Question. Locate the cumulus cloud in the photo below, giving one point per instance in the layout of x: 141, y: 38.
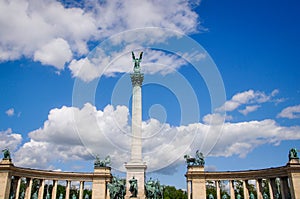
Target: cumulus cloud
x: 291, y: 112
x: 72, y: 133
x: 10, y: 112
x: 9, y: 140
x: 249, y: 109
x: 247, y: 97
x: 51, y: 32
x: 56, y: 53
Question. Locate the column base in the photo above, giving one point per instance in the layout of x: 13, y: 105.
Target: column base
x: 136, y: 170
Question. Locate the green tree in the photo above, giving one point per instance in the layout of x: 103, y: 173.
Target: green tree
x: 170, y: 192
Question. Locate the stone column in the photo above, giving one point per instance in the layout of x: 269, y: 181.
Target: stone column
x: 81, y: 189
x: 189, y: 189
x: 68, y: 185
x: 136, y: 167
x: 41, y: 189
x: 272, y: 188
x: 245, y: 186
x: 28, y: 188
x: 54, y: 189
x: 18, y: 188
x: 231, y: 187
x: 218, y: 189
x: 259, y: 188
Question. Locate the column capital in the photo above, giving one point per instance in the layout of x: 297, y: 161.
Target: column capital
x: 137, y: 78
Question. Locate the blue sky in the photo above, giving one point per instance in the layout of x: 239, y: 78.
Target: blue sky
x: 66, y: 91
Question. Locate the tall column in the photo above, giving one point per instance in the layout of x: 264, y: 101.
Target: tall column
x: 246, y: 192
x: 28, y: 188
x: 231, y: 187
x: 218, y: 189
x: 54, y: 189
x: 81, y: 189
x: 68, y: 185
x: 41, y: 189
x: 136, y: 142
x: 136, y: 168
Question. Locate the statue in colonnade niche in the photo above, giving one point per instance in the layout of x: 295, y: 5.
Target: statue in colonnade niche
x: 293, y: 154
x: 265, y: 196
x: 102, y: 163
x: 197, y: 161
x: 35, y: 195
x: 251, y: 196
x: 224, y: 196
x: 60, y: 196
x: 210, y: 196
x: 238, y: 196
x: 86, y: 196
x: 73, y: 196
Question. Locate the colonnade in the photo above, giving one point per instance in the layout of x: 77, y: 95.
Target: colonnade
x: 15, y: 189
x: 11, y: 178
x: 281, y: 182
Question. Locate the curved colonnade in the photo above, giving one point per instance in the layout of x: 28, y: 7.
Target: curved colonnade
x: 11, y: 177
x: 282, y: 182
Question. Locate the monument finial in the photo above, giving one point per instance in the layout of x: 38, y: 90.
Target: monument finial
x: 137, y: 61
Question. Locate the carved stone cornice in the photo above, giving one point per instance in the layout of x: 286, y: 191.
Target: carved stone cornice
x: 137, y: 79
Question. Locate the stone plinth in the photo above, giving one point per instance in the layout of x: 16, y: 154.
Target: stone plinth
x: 101, y: 177
x: 5, y: 177
x: 136, y: 170
x: 197, y: 189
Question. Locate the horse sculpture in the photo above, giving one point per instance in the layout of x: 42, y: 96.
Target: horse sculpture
x: 102, y: 163
x: 117, y: 188
x: 197, y: 161
x: 153, y: 189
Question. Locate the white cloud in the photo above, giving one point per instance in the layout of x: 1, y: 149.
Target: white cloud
x: 9, y: 140
x: 291, y: 112
x: 72, y: 134
x: 36, y: 29
x: 247, y: 97
x: 10, y: 112
x: 56, y: 53
x: 154, y: 61
x: 249, y: 109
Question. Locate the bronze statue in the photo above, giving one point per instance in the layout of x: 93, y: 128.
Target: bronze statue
x: 197, y: 161
x: 117, y: 188
x: 6, y: 154
x: 137, y: 61
x: 153, y: 189
x: 133, y: 187
x: 293, y: 154
x: 102, y: 163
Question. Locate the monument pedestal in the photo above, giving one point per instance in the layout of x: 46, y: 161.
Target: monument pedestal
x: 136, y: 170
